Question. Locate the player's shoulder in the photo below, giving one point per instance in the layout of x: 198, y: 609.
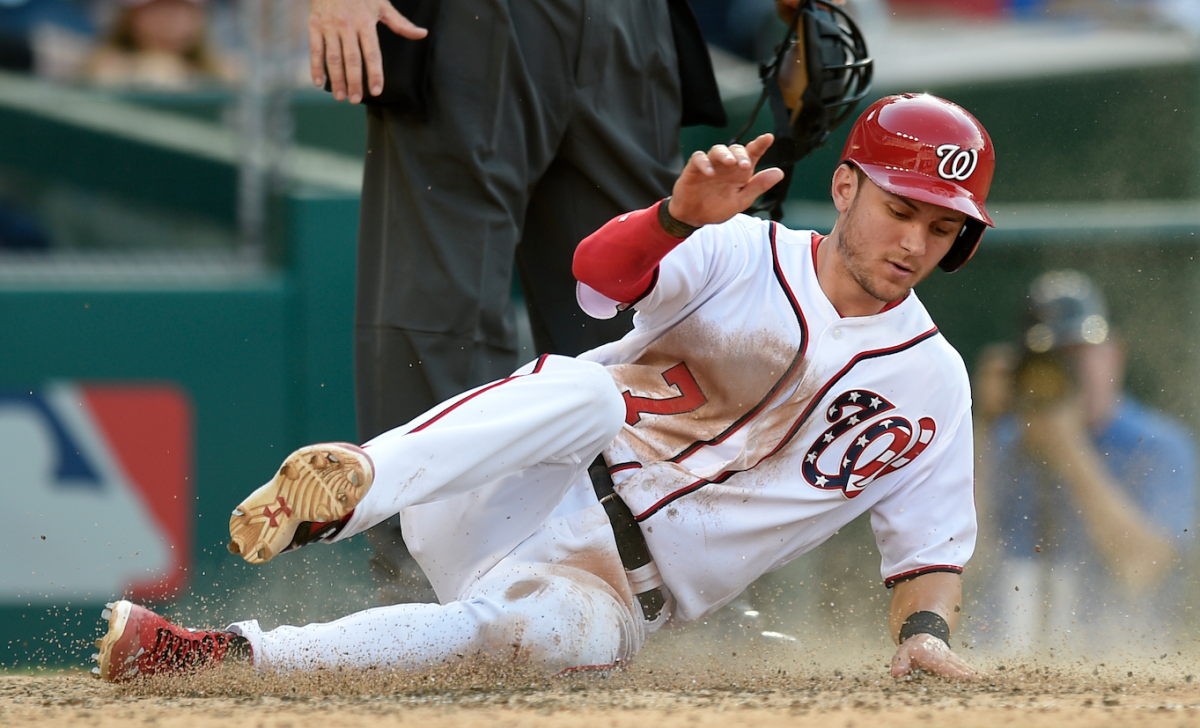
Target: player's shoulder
x: 743, y: 241
x: 787, y: 236
x: 944, y: 361
x: 944, y: 355
x: 766, y: 240
x: 757, y: 228
x: 739, y: 227
x: 950, y: 362
x: 932, y: 352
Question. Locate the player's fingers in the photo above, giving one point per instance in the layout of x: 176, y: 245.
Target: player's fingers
x: 951, y: 666
x: 352, y: 60
x: 741, y: 156
x: 368, y: 41
x: 720, y: 154
x: 928, y: 653
x: 702, y: 163
x: 316, y: 54
x: 401, y: 25
x: 759, y: 146
x: 901, y: 664
x: 761, y: 182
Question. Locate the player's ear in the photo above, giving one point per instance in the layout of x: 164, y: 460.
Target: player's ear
x: 844, y: 186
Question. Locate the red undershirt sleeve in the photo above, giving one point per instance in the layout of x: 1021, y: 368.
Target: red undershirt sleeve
x: 620, y: 260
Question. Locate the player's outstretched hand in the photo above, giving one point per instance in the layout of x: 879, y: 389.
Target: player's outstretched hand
x: 342, y: 35
x: 929, y: 654
x: 718, y: 184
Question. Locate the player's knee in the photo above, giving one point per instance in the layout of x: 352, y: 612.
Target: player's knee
x: 603, y: 398
x: 589, y: 628
x: 555, y: 623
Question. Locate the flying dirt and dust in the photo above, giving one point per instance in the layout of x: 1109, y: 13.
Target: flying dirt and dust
x: 677, y: 682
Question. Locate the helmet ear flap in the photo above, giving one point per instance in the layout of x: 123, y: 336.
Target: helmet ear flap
x: 964, y: 246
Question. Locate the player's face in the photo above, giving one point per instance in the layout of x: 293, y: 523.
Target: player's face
x: 887, y: 243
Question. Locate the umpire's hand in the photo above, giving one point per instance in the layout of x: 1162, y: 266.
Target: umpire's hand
x: 342, y: 36
x: 929, y: 654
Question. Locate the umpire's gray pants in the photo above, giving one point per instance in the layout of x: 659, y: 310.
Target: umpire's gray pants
x: 547, y: 118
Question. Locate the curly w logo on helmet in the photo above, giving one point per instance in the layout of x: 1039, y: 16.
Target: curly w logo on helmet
x: 957, y: 163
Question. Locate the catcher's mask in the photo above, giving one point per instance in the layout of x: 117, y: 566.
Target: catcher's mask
x: 925, y: 148
x: 819, y: 73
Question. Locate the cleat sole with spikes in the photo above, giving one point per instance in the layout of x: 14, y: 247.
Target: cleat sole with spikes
x: 317, y: 483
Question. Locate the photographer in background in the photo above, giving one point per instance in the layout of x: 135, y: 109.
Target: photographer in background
x: 1087, y: 496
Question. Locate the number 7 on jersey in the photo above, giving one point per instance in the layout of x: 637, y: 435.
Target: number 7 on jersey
x: 678, y: 377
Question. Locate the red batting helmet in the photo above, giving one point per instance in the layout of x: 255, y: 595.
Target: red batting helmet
x: 928, y: 149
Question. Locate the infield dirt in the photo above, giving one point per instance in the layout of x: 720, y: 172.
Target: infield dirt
x: 667, y: 687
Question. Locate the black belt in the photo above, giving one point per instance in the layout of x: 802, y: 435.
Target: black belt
x: 631, y: 544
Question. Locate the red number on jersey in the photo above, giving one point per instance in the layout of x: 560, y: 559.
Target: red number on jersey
x: 690, y: 397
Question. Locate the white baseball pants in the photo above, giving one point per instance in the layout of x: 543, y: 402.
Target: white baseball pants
x: 498, y: 509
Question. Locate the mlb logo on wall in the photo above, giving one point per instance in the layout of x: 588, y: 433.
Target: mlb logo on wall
x: 96, y: 493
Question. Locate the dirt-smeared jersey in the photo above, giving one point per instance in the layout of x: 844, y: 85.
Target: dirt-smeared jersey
x: 759, y: 421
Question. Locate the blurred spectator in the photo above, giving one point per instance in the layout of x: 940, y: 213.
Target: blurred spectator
x: 30, y: 31
x: 752, y: 29
x: 1180, y: 13
x: 984, y: 8
x: 158, y: 44
x: 746, y: 28
x: 1087, y: 497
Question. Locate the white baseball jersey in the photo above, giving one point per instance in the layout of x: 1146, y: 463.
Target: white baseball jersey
x: 759, y: 421
x: 749, y: 423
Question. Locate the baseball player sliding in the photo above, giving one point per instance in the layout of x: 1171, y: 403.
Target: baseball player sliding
x: 777, y: 384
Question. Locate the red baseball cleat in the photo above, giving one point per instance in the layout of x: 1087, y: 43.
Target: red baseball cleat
x: 311, y: 498
x: 141, y: 643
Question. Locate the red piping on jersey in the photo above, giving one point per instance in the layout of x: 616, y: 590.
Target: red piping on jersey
x: 541, y: 361
x: 943, y: 568
x: 816, y: 243
x: 762, y: 403
x: 816, y: 399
